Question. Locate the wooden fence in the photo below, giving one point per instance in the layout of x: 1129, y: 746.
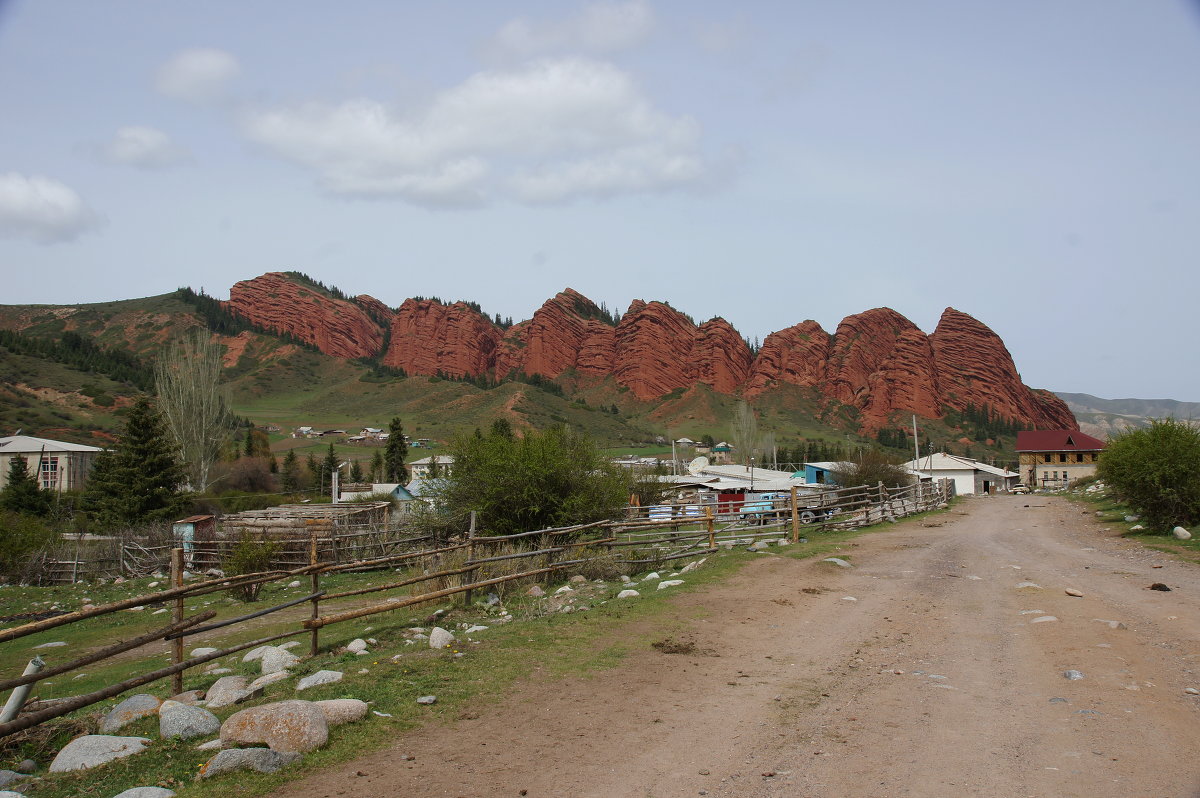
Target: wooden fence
x: 460, y: 568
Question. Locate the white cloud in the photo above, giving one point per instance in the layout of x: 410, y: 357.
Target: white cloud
x: 197, y: 75
x: 42, y: 209
x: 549, y: 131
x: 600, y: 28
x: 143, y: 147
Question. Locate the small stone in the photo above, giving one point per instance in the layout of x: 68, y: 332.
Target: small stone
x: 1044, y: 619
x: 55, y: 644
x: 227, y: 691
x: 578, y: 579
x: 473, y: 628
x: 146, y: 792
x: 218, y: 671
x: 838, y: 561
x: 1181, y: 534
x: 1188, y: 690
x: 8, y: 777
x: 669, y: 583
x: 27, y: 766
x: 318, y: 678
x: 440, y: 638
x: 213, y: 745
x: 1073, y: 675
x: 564, y: 589
x: 1028, y: 586
x: 189, y: 697
x: 289, y: 645
x: 628, y: 594
x: 651, y: 575
x: 1073, y: 592
x: 342, y: 710
x: 535, y: 591
x: 152, y: 584
x: 1160, y: 586
x: 849, y: 598
x: 255, y: 653
x: 1129, y: 519
x: 204, y: 652
x: 427, y: 699
x: 1137, y: 528
x: 356, y: 645
x: 294, y: 583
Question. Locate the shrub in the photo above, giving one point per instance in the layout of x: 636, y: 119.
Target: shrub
x: 22, y: 538
x: 1156, y: 471
x: 249, y: 555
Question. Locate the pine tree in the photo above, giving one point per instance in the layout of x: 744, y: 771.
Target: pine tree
x: 290, y: 476
x: 377, y: 466
x: 21, y: 492
x: 328, y: 466
x: 356, y: 472
x: 395, y: 454
x: 139, y: 482
x: 314, y: 470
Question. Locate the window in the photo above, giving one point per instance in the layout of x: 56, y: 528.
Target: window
x: 49, y: 473
x: 1062, y: 457
x: 1055, y: 475
x: 1079, y: 457
x: 1046, y: 458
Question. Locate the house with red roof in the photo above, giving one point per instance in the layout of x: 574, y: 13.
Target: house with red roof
x: 1054, y: 458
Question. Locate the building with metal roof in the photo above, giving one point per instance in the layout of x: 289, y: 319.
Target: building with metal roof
x: 57, y: 465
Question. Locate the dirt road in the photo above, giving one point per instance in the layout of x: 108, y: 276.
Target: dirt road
x: 921, y: 671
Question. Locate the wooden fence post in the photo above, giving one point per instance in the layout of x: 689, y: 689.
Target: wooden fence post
x: 176, y: 617
x: 712, y: 531
x: 314, y: 641
x: 469, y: 576
x: 795, y: 515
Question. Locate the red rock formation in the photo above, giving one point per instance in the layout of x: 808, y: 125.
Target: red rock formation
x: 429, y: 337
x: 378, y: 311
x: 566, y: 332
x: 653, y: 347
x: 720, y: 356
x: 974, y: 366
x: 796, y: 356
x: 335, y: 326
x: 881, y: 362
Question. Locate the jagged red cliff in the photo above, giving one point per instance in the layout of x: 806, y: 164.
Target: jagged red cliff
x: 877, y: 361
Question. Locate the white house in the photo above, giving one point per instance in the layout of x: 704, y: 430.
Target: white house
x: 56, y: 465
x: 424, y: 468
x: 970, y: 476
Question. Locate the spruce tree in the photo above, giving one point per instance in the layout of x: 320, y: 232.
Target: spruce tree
x: 290, y: 475
x: 377, y: 466
x: 395, y: 454
x: 139, y: 482
x: 21, y: 492
x: 356, y: 472
x: 328, y: 465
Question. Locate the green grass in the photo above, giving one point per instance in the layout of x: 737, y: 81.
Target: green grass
x: 574, y: 644
x: 1112, y: 512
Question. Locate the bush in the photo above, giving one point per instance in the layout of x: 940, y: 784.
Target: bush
x: 873, y: 467
x: 249, y: 555
x: 1156, y: 471
x: 22, y: 537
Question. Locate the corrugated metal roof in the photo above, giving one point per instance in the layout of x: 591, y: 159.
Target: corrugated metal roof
x: 27, y: 444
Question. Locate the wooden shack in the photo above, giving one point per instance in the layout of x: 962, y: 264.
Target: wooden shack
x: 337, y: 530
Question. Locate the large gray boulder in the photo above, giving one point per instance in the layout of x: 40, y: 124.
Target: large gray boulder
x: 91, y: 750
x: 186, y: 721
x: 264, y: 760
x: 295, y: 725
x: 342, y: 710
x: 317, y: 679
x: 129, y: 710
x: 1181, y: 533
x: 227, y: 691
x: 440, y: 638
x: 146, y: 792
x: 274, y: 660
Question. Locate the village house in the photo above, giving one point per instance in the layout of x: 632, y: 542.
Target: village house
x: 434, y: 465
x: 56, y: 465
x: 1054, y: 458
x: 970, y: 476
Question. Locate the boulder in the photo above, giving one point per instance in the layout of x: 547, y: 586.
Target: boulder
x: 578, y: 579
x: 227, y: 691
x: 289, y: 726
x: 838, y: 561
x: 185, y: 721
x: 204, y: 652
x: 189, y: 697
x: 129, y: 710
x: 342, y: 710
x: 255, y: 653
x: 1181, y: 534
x: 264, y: 760
x: 440, y: 638
x: 91, y: 750
x: 146, y: 792
x: 628, y: 594
x: 669, y: 583
x: 7, y: 777
x: 274, y: 660
x: 270, y: 678
x: 356, y: 645
x: 318, y: 678
x: 535, y: 591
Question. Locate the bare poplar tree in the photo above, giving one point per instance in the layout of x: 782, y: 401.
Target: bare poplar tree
x: 193, y: 403
x: 745, y: 431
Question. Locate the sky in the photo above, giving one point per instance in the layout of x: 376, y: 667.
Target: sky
x: 1033, y: 163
